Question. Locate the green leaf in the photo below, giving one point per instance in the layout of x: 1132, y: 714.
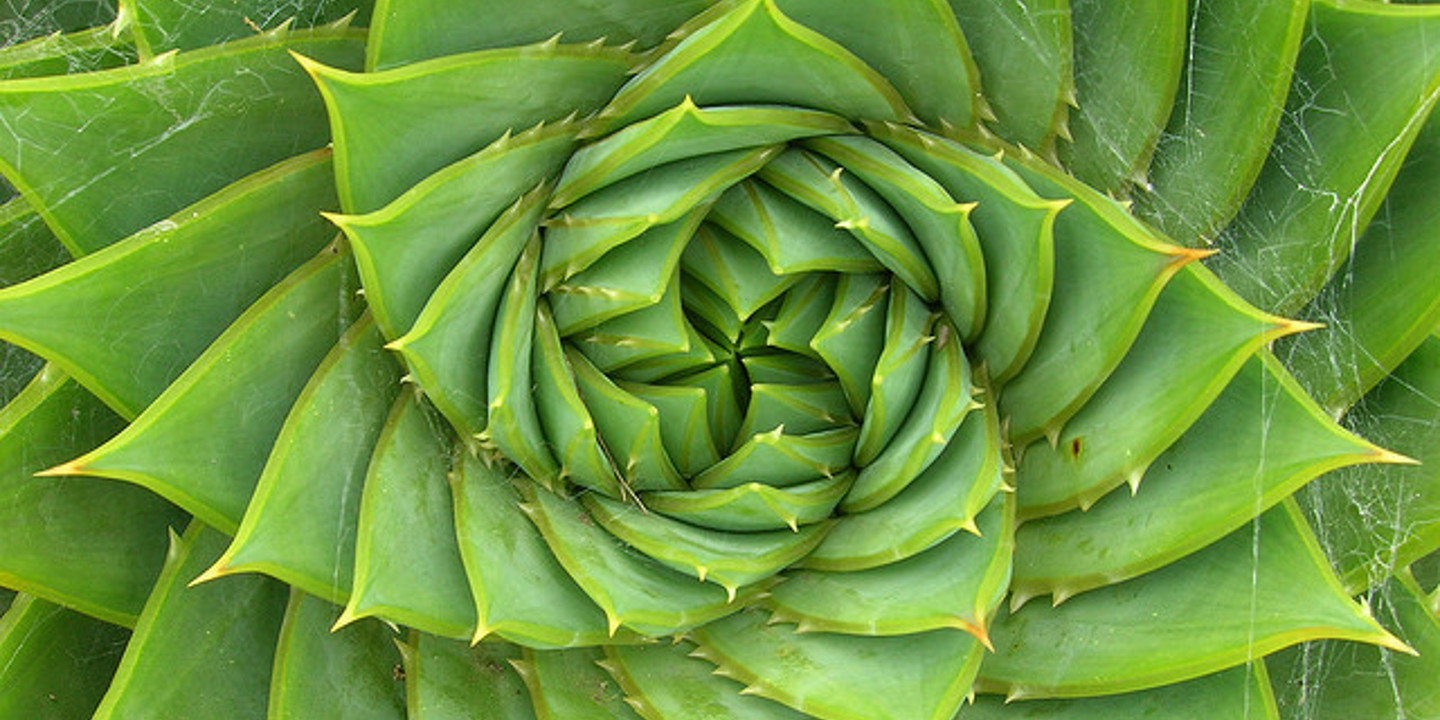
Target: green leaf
x: 1197, y: 337
x: 826, y: 189
x: 791, y: 237
x: 915, y: 44
x: 448, y: 348
x: 205, y: 650
x: 924, y: 676
x: 407, y: 249
x: 408, y: 566
x: 1275, y: 440
x: 667, y: 682
x: 346, y: 673
x: 942, y: 501
x: 1015, y: 228
x: 404, y: 32
x: 110, y: 535
x: 1361, y: 681
x: 941, y: 225
x: 514, y: 424
x: 521, y: 592
x: 1366, y: 78
x: 1380, y: 518
x: 629, y: 430
x: 779, y: 459
x: 448, y: 680
x: 899, y: 372
x: 750, y: 52
x: 96, y: 48
x: 633, y: 591
x: 686, y: 131
x: 266, y: 356
x: 563, y: 415
x: 1091, y: 325
x: 300, y: 525
x: 1242, y: 693
x: 54, y: 663
x: 1024, y: 51
x: 945, y: 400
x: 753, y: 506
x: 159, y: 25
x: 1260, y: 589
x: 605, y: 219
x: 1239, y: 59
x: 571, y: 684
x: 213, y: 259
x: 727, y: 559
x: 919, y: 593
x: 102, y: 155
x: 1127, y: 69
x: 1382, y: 304
x: 394, y: 128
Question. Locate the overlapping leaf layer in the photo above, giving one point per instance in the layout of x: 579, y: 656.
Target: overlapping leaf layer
x: 751, y: 358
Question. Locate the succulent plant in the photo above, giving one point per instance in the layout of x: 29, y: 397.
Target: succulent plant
x: 886, y: 359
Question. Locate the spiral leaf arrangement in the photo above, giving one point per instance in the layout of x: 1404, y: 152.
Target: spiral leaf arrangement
x: 740, y: 359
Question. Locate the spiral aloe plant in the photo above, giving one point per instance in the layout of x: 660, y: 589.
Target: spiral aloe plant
x: 877, y: 360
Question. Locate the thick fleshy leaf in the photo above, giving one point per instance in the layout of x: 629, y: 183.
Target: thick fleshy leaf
x: 514, y: 424
x: 448, y: 348
x: 588, y: 229
x: 1379, y: 518
x: 666, y: 682
x: 95, y: 48
x: 522, y: 594
x: 1023, y: 49
x: 406, y: 250
x: 54, y: 663
x: 634, y: 591
x: 753, y: 506
x: 1256, y: 591
x: 1127, y: 69
x: 941, y: 225
x: 92, y: 545
x: 265, y: 356
x: 159, y: 25
x: 623, y: 280
x: 727, y: 559
x: 791, y: 237
x: 1383, y: 303
x: 782, y: 460
x: 571, y: 684
x: 1239, y: 58
x: 396, y: 127
x: 103, y: 155
x: 1366, y: 78
x: 349, y: 672
x: 1091, y: 324
x: 915, y: 44
x: 752, y: 53
x: 733, y: 270
x: 1275, y: 440
x: 404, y: 32
x: 1242, y: 693
x: 686, y: 131
x: 851, y: 338
x: 684, y: 424
x: 1196, y: 338
x: 629, y: 430
x: 563, y: 415
x: 826, y: 189
x: 945, y: 400
x: 956, y: 584
x: 804, y: 408
x: 300, y: 525
x: 1015, y: 228
x: 407, y: 562
x: 899, y: 372
x: 204, y: 650
x: 1332, y: 680
x: 926, y: 675
x: 214, y: 259
x: 449, y: 680
x: 942, y: 501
